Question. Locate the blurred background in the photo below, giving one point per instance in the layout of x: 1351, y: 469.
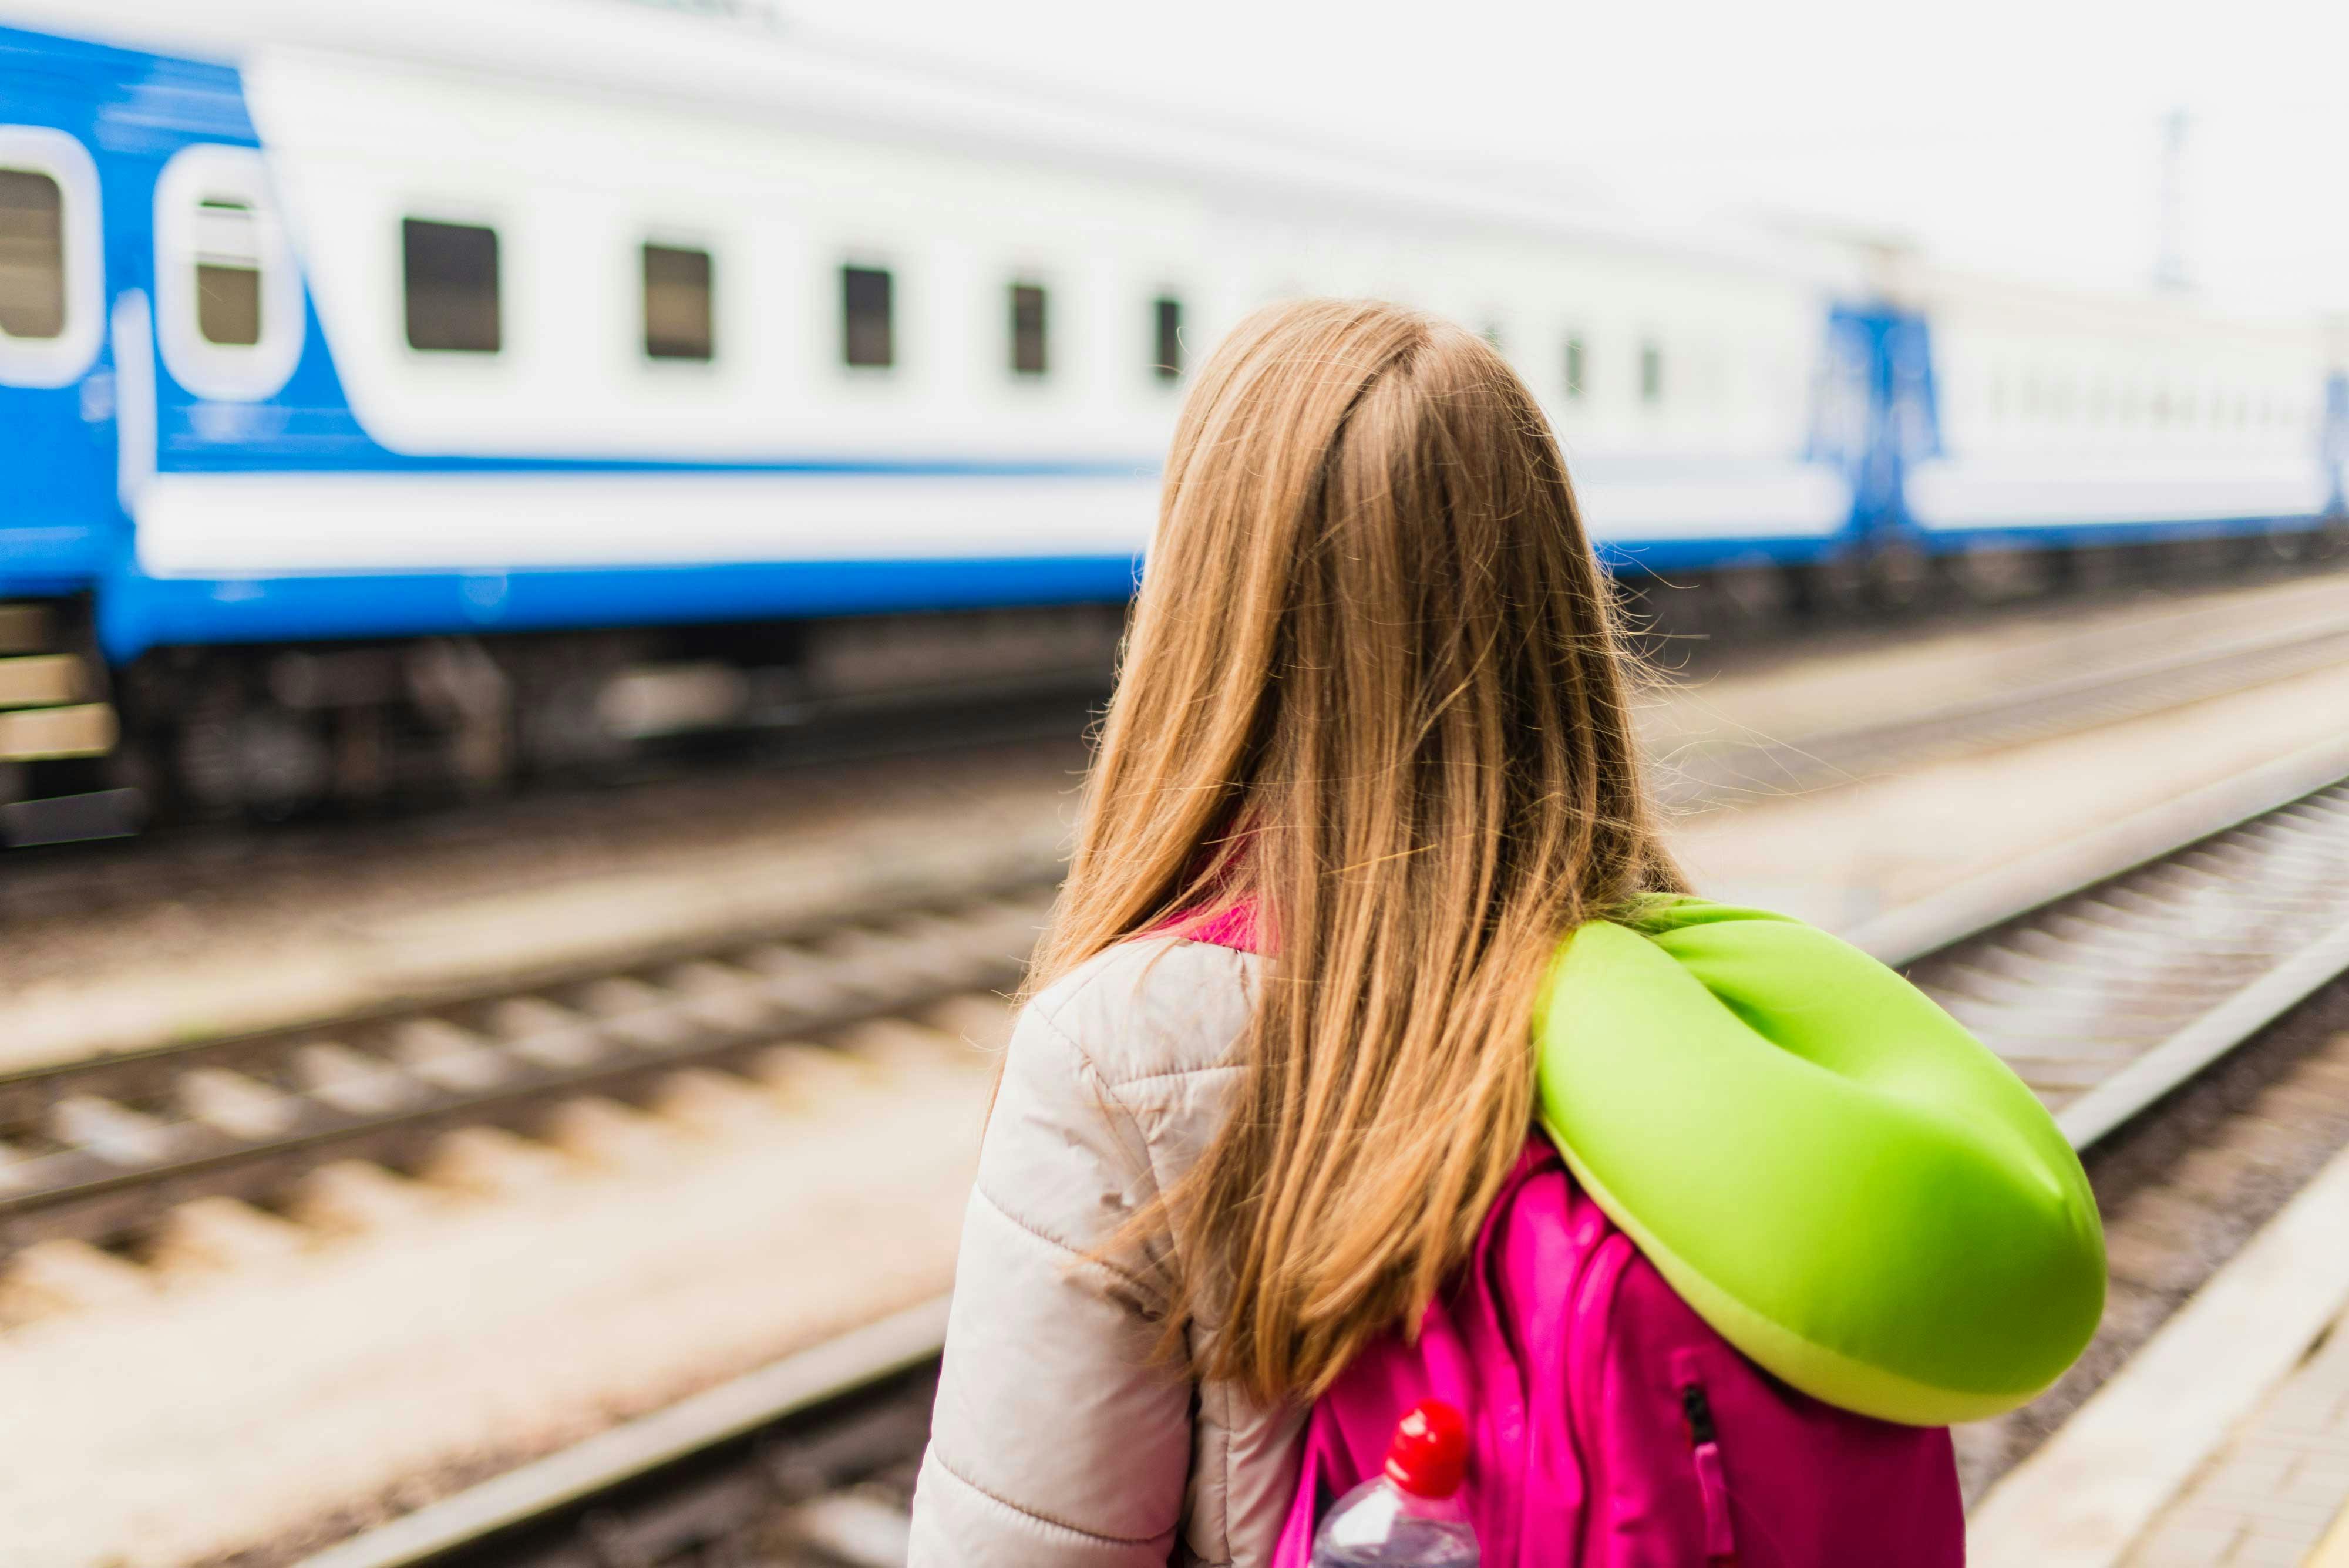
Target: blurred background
x: 558, y: 557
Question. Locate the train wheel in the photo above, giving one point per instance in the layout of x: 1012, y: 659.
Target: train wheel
x: 2006, y: 573
x: 1902, y: 579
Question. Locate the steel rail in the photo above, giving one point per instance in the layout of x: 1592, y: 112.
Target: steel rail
x: 381, y: 1084
x: 1710, y: 772
x: 2114, y: 970
x: 795, y: 1386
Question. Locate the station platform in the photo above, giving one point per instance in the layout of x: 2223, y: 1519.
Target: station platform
x: 2276, y: 1491
x: 2224, y: 1442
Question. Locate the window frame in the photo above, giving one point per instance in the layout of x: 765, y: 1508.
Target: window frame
x: 65, y: 358
x: 250, y: 265
x: 889, y: 269
x: 1012, y: 369
x: 224, y: 372
x: 451, y: 216
x: 1159, y: 372
x: 45, y: 263
x: 669, y: 240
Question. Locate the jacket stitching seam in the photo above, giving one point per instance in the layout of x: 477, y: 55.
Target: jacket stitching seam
x: 1027, y: 1227
x: 1026, y: 1513
x: 1092, y: 1070
x: 1046, y: 1014
x: 1109, y: 1082
x: 1180, y: 1072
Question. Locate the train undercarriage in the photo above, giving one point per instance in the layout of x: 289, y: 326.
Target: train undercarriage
x: 268, y: 733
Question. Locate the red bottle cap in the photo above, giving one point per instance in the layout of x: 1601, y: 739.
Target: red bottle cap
x: 1429, y: 1451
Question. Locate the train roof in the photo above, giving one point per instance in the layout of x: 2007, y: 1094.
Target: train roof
x: 730, y: 59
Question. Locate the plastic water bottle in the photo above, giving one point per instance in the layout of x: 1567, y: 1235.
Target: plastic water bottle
x: 1411, y: 1516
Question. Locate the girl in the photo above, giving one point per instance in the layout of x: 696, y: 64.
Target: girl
x: 1373, y: 703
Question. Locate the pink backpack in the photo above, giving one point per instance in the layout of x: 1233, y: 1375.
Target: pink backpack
x: 1609, y: 1426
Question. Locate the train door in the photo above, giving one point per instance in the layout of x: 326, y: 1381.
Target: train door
x: 57, y: 404
x: 1875, y: 412
x: 67, y: 282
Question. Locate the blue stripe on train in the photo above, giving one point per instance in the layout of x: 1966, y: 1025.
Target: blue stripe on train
x: 136, y: 612
x: 2055, y: 534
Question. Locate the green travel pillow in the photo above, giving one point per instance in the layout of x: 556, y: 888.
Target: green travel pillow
x: 1849, y: 1187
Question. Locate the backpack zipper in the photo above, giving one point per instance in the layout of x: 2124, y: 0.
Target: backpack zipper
x: 1698, y: 1411
x: 1712, y: 1478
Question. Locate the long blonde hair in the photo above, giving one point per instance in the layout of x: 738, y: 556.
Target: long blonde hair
x: 1373, y: 685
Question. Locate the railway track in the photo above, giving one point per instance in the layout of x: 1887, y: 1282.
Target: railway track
x: 1715, y: 772
x: 2173, y: 988
x: 97, y: 1149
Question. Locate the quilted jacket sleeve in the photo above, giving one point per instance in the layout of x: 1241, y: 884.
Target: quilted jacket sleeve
x: 1056, y: 1441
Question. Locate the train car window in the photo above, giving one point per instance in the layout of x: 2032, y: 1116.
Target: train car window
x: 1166, y: 320
x: 677, y: 303
x: 52, y: 258
x: 1577, y: 368
x: 451, y: 271
x: 1029, y: 328
x: 228, y: 273
x: 32, y: 254
x: 867, y: 329
x: 1651, y: 371
x: 229, y: 309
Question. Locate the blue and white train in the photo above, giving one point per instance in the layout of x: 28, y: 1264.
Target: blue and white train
x: 475, y: 370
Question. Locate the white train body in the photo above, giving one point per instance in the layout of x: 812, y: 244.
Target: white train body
x: 578, y: 135
x: 2066, y: 419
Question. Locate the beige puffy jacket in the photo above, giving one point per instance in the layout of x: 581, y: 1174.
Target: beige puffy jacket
x: 1057, y: 1442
